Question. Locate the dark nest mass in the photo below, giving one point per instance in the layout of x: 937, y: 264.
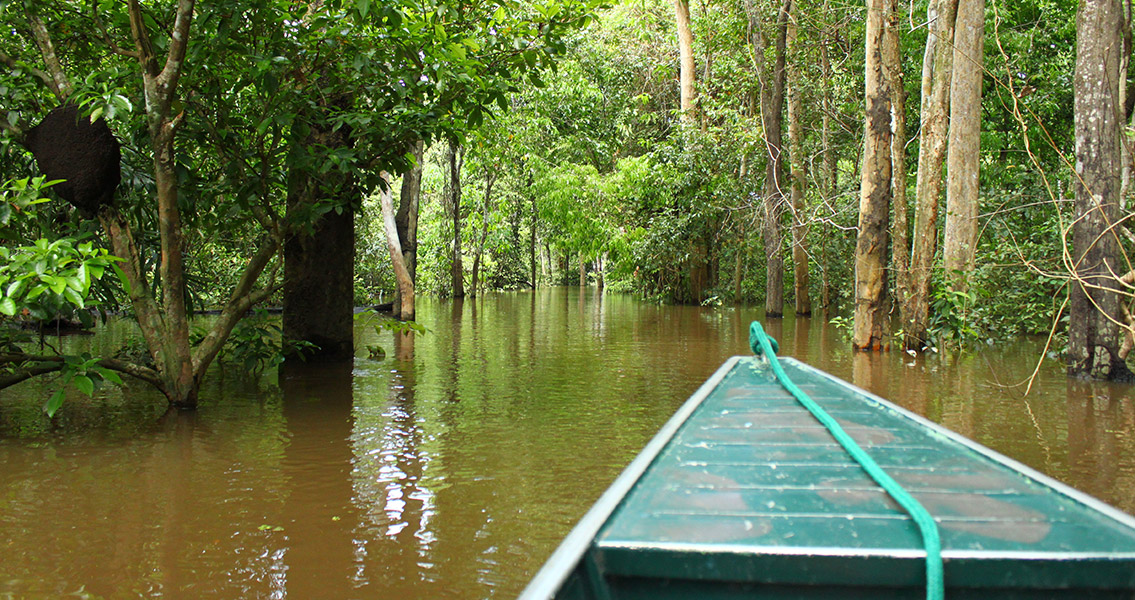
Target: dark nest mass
x: 67, y: 146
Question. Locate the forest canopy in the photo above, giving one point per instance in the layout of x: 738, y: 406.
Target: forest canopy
x: 908, y: 165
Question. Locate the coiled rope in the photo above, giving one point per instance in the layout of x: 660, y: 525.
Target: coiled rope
x: 763, y: 344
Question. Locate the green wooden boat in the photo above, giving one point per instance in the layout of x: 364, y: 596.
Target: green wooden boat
x: 743, y: 494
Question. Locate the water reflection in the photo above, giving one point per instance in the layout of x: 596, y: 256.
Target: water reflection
x: 454, y: 467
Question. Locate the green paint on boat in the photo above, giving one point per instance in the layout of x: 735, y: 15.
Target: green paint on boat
x: 744, y: 495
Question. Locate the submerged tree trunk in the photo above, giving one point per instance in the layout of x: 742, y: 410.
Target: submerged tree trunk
x: 1095, y: 295
x: 319, y: 263
x: 875, y: 191
x: 772, y: 109
x: 892, y: 70
x: 406, y: 222
x: 490, y: 178
x: 963, y: 159
x: 532, y: 258
x: 937, y: 69
x: 829, y: 179
x: 405, y: 281
x: 453, y: 161
x: 799, y: 176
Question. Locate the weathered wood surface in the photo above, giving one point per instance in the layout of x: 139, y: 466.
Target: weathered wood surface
x: 750, y: 493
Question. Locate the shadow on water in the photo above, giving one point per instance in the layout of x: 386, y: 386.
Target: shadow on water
x: 455, y: 466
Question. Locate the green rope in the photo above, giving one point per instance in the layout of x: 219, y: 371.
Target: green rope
x: 762, y: 343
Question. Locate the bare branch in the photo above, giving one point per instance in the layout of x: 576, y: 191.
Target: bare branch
x: 167, y: 79
x: 106, y: 38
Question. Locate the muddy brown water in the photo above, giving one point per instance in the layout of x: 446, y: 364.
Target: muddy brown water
x: 452, y: 468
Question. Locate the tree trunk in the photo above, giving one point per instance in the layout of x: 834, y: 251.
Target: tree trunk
x: 963, y: 160
x: 532, y: 258
x: 875, y: 188
x: 453, y: 204
x: 892, y: 70
x: 405, y: 281
x: 772, y: 109
x: 829, y: 180
x: 319, y: 266
x: 1093, y: 333
x: 799, y: 177
x: 490, y: 178
x: 406, y: 222
x: 582, y: 271
x: 937, y: 69
x: 686, y: 60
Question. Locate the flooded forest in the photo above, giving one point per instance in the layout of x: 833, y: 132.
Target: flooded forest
x: 352, y: 298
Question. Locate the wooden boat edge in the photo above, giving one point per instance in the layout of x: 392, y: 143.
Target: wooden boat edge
x: 563, y: 561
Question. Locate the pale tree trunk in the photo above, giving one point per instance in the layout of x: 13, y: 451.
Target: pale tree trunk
x: 1093, y: 332
x: 406, y: 222
x: 962, y: 159
x: 937, y: 69
x: 892, y: 70
x: 799, y: 176
x: 686, y: 60
x: 582, y: 271
x: 772, y: 109
x: 875, y: 188
x: 397, y: 257
x: 452, y: 192
x: 490, y: 178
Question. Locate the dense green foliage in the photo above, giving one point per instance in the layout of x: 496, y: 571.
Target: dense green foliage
x: 574, y: 157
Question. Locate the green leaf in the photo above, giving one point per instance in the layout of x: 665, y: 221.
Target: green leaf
x: 53, y: 403
x: 84, y: 384
x: 8, y: 307
x: 109, y: 375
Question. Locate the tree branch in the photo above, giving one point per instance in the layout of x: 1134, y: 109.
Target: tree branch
x: 106, y: 38
x: 55, y: 363
x: 13, y: 63
x: 59, y: 84
x: 242, y: 299
x: 180, y: 39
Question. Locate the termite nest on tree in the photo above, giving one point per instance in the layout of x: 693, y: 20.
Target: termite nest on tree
x: 85, y: 155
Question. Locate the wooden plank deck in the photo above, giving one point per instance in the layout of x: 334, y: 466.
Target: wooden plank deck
x: 744, y: 494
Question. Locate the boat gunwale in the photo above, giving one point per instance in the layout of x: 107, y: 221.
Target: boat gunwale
x: 569, y: 554
x: 838, y: 551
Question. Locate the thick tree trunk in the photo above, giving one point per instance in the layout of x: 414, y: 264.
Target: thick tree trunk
x: 319, y: 266
x: 875, y: 189
x: 963, y: 159
x: 802, y: 293
x: 406, y: 221
x: 937, y: 69
x: 686, y: 59
x: 405, y: 281
x: 453, y: 205
x: 1093, y: 333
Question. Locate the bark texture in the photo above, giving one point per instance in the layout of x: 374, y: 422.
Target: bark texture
x: 686, y: 59
x: 406, y: 223
x: 1093, y: 331
x: 405, y: 281
x: 937, y: 69
x: 963, y: 160
x: 875, y: 189
x: 453, y: 160
x: 772, y: 120
x: 799, y: 177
